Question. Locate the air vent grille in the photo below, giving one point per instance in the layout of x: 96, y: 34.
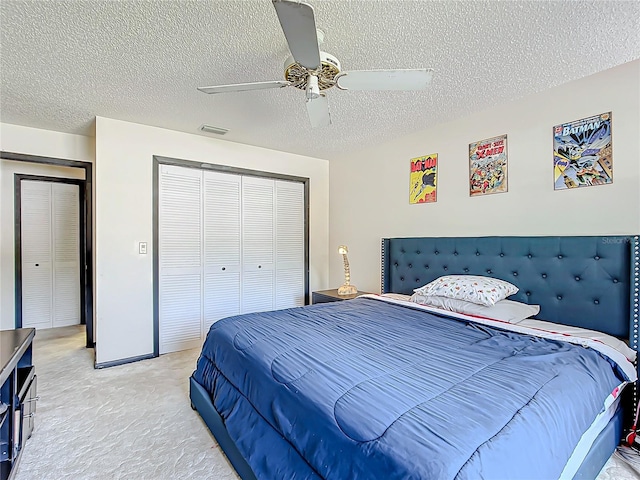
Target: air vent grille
x: 212, y: 129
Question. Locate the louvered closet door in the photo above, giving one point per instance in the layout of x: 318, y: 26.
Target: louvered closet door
x: 180, y: 254
x: 289, y: 244
x: 66, y: 254
x: 37, y: 267
x: 222, y: 229
x: 50, y: 222
x: 257, y: 244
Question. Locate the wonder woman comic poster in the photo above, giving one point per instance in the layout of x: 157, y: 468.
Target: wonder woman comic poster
x: 582, y: 153
x: 423, y: 179
x: 488, y: 166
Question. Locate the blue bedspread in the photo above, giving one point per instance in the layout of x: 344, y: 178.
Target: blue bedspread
x: 367, y: 389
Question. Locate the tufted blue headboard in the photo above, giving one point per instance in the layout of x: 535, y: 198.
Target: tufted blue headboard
x: 589, y: 282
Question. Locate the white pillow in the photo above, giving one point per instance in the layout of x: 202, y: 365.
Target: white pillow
x: 471, y: 288
x: 396, y: 296
x: 505, y: 310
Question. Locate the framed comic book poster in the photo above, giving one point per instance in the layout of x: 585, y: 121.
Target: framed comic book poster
x: 488, y: 166
x: 423, y: 179
x: 582, y: 153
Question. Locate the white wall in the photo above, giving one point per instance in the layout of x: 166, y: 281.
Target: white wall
x: 29, y: 141
x: 123, y: 189
x: 46, y: 143
x: 369, y: 188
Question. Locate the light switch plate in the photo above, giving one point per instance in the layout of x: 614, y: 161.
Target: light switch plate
x: 142, y: 248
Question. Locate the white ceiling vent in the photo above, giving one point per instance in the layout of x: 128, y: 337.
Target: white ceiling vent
x: 212, y: 129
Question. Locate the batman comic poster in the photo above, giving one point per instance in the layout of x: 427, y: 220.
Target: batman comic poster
x: 582, y: 153
x: 423, y: 179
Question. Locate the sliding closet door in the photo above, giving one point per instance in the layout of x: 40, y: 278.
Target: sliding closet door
x: 257, y: 244
x: 227, y: 244
x: 180, y: 258
x: 222, y: 257
x: 289, y: 239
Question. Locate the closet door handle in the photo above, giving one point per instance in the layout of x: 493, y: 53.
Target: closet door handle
x: 37, y: 264
x: 259, y: 266
x: 224, y: 268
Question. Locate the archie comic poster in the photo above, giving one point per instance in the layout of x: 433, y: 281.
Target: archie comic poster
x: 488, y: 166
x: 423, y: 179
x: 582, y: 153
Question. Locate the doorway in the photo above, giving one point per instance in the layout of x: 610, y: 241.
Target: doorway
x: 85, y: 238
x: 49, y: 230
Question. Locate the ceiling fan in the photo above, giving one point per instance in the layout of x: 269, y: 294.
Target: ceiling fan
x: 314, y: 71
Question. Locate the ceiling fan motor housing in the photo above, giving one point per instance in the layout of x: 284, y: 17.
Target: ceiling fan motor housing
x: 326, y: 73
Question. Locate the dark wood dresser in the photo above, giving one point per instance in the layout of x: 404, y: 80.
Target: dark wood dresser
x: 17, y: 396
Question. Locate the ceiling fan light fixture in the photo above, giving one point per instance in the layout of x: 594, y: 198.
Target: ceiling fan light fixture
x: 313, y: 91
x: 211, y: 129
x: 314, y: 71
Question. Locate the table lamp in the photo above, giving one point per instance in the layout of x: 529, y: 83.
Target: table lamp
x: 346, y: 288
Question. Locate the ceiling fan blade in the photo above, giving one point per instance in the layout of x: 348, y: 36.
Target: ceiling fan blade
x: 385, y: 79
x: 243, y: 87
x: 299, y: 27
x: 318, y: 110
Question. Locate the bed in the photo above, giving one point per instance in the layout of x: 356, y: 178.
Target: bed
x: 378, y: 387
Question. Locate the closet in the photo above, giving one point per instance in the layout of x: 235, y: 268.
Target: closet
x: 50, y: 254
x: 227, y: 244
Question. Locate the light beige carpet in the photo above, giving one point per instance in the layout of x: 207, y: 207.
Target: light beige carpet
x: 128, y: 422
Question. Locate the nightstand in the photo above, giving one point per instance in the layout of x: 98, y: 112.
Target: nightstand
x: 325, y: 296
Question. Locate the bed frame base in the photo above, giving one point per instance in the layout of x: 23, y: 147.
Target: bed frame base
x: 201, y: 401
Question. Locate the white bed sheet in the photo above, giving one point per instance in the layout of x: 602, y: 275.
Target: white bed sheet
x: 587, y: 439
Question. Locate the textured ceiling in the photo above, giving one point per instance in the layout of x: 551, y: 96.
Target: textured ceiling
x: 63, y: 63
